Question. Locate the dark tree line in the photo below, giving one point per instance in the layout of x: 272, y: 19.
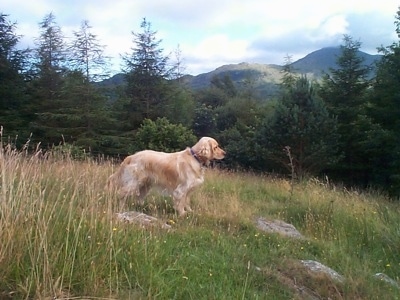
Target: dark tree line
x: 345, y: 127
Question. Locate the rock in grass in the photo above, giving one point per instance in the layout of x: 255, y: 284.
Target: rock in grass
x: 278, y: 226
x: 141, y: 219
x: 387, y: 279
x: 317, y: 267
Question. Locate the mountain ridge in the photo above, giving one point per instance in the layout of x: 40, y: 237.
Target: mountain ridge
x: 264, y: 78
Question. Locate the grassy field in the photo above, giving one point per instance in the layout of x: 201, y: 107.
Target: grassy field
x: 59, y: 238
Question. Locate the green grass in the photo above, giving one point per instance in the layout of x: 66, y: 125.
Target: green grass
x: 60, y: 238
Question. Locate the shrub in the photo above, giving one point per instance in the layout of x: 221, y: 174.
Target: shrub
x: 161, y: 135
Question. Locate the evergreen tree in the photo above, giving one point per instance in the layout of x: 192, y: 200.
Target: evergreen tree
x: 14, y: 115
x: 289, y: 77
x: 146, y: 74
x: 344, y: 91
x: 301, y: 122
x: 88, y: 60
x: 87, y: 55
x: 384, y: 109
x: 49, y: 70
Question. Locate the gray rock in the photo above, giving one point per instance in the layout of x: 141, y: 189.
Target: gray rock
x: 278, y: 226
x: 387, y: 279
x: 317, y: 267
x: 141, y: 219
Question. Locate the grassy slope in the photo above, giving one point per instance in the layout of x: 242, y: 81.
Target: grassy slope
x: 59, y: 238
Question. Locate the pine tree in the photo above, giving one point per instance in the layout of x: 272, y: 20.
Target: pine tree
x: 344, y: 91
x: 14, y: 114
x: 88, y: 62
x: 384, y: 109
x: 146, y: 74
x: 302, y: 123
x: 87, y: 55
x: 49, y: 71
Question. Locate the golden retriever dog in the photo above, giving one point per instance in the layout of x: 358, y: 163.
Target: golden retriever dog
x: 178, y: 173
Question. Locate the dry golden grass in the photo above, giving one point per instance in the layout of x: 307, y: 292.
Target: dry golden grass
x: 60, y: 238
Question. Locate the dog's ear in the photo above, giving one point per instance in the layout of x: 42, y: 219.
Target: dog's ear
x: 205, y: 149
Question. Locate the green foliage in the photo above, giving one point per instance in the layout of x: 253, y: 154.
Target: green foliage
x: 14, y: 112
x: 179, y: 106
x: 237, y: 124
x: 300, y: 121
x: 161, y: 135
x: 87, y: 55
x: 49, y: 59
x: 345, y: 95
x: 225, y: 84
x: 204, y: 122
x: 146, y: 73
x: 384, y: 109
x: 240, y: 144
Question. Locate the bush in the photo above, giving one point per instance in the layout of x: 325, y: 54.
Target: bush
x: 161, y: 135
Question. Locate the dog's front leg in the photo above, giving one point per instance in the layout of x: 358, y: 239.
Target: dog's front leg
x: 179, y: 198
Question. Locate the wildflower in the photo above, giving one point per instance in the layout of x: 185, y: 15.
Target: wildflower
x: 388, y: 265
x: 115, y: 229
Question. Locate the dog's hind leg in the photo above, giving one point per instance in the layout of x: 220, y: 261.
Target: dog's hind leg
x: 142, y: 192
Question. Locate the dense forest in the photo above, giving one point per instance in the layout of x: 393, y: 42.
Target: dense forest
x: 345, y: 127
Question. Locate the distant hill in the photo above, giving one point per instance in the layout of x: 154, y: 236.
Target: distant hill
x: 266, y: 77
x: 322, y: 60
x: 263, y: 77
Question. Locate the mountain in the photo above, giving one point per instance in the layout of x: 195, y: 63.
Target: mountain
x: 320, y: 61
x: 263, y: 78
x: 266, y: 77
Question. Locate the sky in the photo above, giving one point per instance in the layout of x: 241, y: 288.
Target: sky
x: 210, y: 33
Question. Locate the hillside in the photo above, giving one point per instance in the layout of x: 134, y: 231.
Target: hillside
x: 61, y: 238
x: 322, y: 60
x: 264, y: 78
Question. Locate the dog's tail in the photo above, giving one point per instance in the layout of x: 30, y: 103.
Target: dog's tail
x: 114, y: 181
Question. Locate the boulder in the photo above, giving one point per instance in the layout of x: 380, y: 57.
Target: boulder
x: 278, y: 226
x: 317, y: 267
x: 141, y: 219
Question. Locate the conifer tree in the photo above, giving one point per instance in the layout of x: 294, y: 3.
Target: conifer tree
x: 88, y: 64
x: 344, y: 90
x: 49, y: 58
x: 302, y: 123
x: 146, y: 72
x: 14, y: 113
x: 384, y: 109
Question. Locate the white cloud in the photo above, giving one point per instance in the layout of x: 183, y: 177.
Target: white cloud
x: 211, y: 32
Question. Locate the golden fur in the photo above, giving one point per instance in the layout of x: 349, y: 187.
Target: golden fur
x: 178, y: 173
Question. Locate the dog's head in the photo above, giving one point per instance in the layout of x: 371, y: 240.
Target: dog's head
x: 208, y: 149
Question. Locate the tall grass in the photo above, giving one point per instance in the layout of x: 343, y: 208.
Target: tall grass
x: 60, y: 238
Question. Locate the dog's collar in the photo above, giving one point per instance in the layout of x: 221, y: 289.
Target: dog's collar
x: 195, y: 156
